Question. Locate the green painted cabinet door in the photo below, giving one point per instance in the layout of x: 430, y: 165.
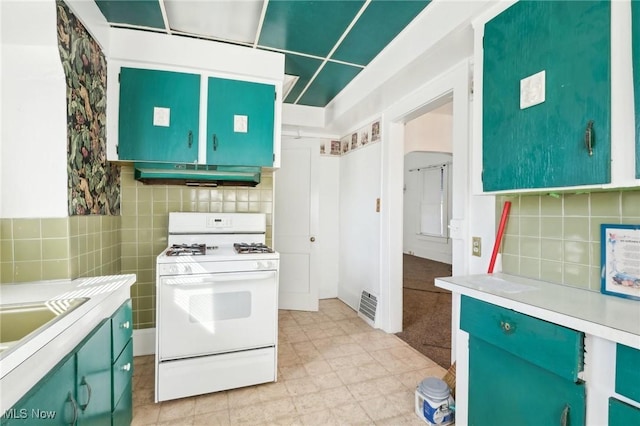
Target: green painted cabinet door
x: 52, y: 401
x: 622, y: 414
x: 635, y: 31
x: 93, y: 377
x: 545, y: 145
x: 240, y: 123
x: 158, y: 116
x: 505, y: 390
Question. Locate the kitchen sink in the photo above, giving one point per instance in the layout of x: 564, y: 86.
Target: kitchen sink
x: 20, y: 322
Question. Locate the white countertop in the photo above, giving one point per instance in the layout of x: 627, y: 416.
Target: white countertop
x: 23, y: 367
x: 609, y: 317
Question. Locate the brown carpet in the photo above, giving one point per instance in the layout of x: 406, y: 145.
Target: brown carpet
x: 426, y: 316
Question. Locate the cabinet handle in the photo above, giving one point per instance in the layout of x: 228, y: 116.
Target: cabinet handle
x: 215, y: 142
x: 590, y: 137
x: 85, y: 383
x: 190, y: 137
x: 126, y: 367
x: 75, y: 408
x: 564, y: 417
x: 125, y: 324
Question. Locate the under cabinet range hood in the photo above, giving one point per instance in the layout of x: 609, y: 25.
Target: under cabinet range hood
x: 196, y: 174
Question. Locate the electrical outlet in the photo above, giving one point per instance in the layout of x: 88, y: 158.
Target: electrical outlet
x: 476, y: 246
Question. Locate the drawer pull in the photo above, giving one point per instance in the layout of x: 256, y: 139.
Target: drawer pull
x: 126, y: 324
x: 564, y: 417
x: 506, y: 327
x: 85, y: 383
x: 126, y: 367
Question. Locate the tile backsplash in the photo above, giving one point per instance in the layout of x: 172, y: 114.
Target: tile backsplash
x: 556, y: 238
x: 59, y: 248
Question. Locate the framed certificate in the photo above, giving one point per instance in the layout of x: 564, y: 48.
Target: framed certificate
x: 620, y: 268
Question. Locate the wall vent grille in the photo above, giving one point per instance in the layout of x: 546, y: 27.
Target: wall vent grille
x: 368, y: 307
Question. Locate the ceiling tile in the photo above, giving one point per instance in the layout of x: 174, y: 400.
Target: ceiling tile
x: 303, y: 67
x: 211, y: 18
x: 145, y: 13
x: 312, y: 27
x: 328, y: 83
x: 380, y: 23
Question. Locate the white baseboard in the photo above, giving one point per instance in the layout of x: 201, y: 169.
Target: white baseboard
x: 144, y: 341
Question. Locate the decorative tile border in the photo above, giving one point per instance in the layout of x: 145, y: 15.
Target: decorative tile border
x: 362, y: 137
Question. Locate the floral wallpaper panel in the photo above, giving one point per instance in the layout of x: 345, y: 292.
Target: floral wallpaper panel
x: 93, y: 183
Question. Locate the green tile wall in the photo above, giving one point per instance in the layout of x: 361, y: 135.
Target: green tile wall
x: 557, y: 238
x: 145, y: 214
x: 59, y: 248
x: 81, y: 246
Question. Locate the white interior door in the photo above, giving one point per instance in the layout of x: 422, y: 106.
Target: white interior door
x: 296, y: 224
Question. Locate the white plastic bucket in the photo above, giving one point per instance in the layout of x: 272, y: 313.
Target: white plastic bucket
x: 434, y: 402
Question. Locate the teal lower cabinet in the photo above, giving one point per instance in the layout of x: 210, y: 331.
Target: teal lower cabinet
x: 522, y: 370
x: 93, y: 378
x: 621, y: 414
x: 505, y: 390
x: 121, y: 387
x: 628, y: 385
x: 122, y: 413
x: 87, y: 387
x: 121, y: 365
x: 628, y: 372
x: 51, y: 402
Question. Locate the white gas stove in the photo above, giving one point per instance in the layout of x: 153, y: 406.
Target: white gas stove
x: 217, y: 305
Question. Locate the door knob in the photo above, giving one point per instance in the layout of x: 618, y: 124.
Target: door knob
x: 312, y: 239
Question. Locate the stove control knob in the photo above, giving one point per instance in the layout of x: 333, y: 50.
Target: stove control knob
x: 173, y: 269
x: 187, y: 269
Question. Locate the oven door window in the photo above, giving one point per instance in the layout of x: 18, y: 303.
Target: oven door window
x: 216, y: 313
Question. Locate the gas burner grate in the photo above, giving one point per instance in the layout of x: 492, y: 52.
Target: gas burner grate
x: 244, y: 248
x: 187, y: 250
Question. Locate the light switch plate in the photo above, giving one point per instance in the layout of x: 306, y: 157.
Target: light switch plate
x: 240, y: 123
x: 532, y: 90
x: 161, y: 116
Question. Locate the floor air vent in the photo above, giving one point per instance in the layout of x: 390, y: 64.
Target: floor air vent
x: 368, y: 307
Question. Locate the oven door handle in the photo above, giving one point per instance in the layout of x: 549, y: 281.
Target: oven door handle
x: 189, y: 281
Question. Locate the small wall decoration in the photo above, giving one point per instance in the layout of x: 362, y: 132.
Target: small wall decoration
x: 364, y: 138
x: 354, y: 141
x: 335, y: 147
x: 375, y: 131
x: 620, y: 268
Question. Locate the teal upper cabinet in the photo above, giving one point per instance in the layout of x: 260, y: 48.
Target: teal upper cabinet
x: 159, y: 116
x: 160, y: 111
x: 240, y: 119
x: 635, y: 32
x: 546, y: 96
